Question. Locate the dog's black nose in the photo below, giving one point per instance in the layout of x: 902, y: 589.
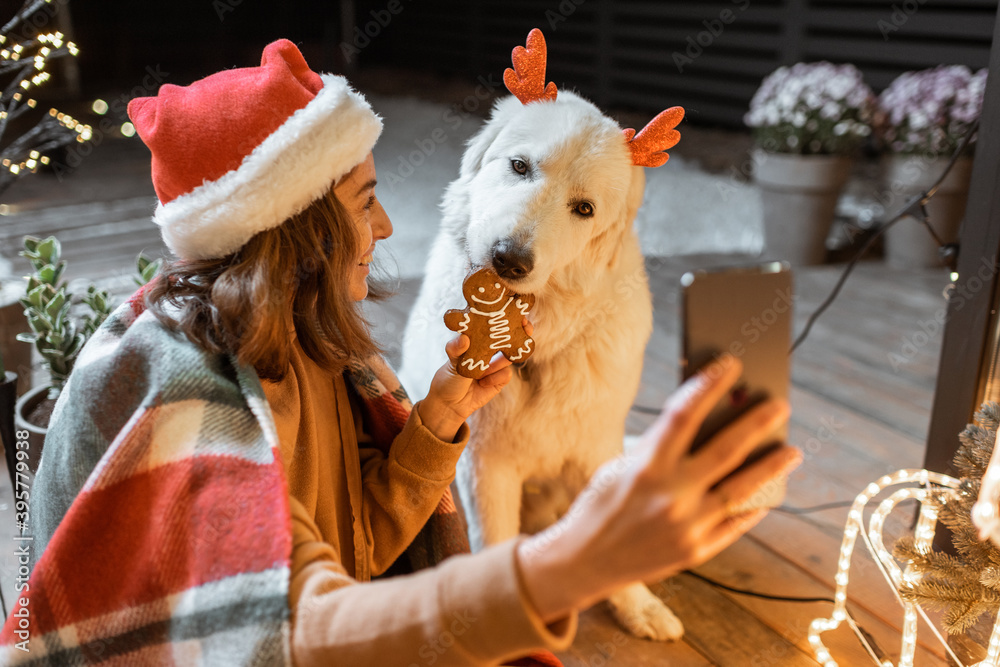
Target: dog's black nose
x: 511, y: 260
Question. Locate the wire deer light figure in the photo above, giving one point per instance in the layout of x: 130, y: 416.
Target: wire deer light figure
x: 930, y: 490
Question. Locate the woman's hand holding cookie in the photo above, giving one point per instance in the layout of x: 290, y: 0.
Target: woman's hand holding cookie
x: 453, y: 398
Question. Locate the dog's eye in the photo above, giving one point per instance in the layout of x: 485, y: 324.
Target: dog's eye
x: 519, y: 166
x: 584, y: 208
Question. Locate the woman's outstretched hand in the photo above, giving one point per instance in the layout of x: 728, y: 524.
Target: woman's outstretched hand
x: 659, y: 508
x: 452, y: 398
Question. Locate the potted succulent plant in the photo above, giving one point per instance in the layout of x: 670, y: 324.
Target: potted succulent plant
x: 808, y: 121
x: 55, y: 335
x: 146, y: 268
x: 921, y: 120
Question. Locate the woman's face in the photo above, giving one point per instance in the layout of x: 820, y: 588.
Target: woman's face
x: 357, y: 193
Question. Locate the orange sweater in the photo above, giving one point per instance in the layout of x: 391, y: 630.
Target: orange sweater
x: 354, y: 511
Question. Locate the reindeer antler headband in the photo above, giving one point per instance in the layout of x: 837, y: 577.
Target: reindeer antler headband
x: 526, y: 81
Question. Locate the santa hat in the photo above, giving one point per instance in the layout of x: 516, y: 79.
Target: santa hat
x: 242, y: 150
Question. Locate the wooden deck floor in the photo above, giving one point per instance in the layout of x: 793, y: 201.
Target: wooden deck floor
x: 858, y: 409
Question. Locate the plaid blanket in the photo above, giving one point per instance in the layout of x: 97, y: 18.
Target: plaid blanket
x: 162, y: 456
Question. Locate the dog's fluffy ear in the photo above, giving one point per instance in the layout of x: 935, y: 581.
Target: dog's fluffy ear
x: 475, y: 149
x: 636, y: 190
x: 472, y: 159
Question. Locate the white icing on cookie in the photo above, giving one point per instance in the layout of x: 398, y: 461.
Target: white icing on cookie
x: 522, y: 350
x: 475, y: 365
x: 503, y: 293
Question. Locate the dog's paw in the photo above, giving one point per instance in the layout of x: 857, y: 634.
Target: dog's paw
x: 644, y: 615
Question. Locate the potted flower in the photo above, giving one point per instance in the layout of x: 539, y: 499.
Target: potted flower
x: 808, y: 121
x: 54, y: 334
x: 922, y: 118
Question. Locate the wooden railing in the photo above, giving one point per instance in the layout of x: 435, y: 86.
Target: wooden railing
x: 708, y: 56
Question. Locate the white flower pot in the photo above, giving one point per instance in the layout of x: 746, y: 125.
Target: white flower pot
x: 799, y: 195
x: 908, y: 244
x: 36, y: 434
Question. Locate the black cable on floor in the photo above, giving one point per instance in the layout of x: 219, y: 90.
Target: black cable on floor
x: 877, y: 651
x: 813, y: 508
x: 765, y: 596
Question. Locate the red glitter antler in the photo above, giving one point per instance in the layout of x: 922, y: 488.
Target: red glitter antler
x: 527, y: 80
x: 659, y: 134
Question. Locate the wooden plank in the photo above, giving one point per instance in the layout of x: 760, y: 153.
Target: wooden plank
x: 677, y: 81
x: 100, y: 257
x: 698, y: 11
x: 725, y: 632
x: 938, y: 4
x: 928, y: 22
x: 76, y: 222
x: 848, y: 382
x: 750, y: 565
x: 715, y: 64
x: 695, y: 107
x: 600, y: 641
x: 915, y: 55
x: 667, y: 40
x: 813, y: 545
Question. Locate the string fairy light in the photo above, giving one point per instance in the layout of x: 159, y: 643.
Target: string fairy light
x: 930, y: 486
x: 25, y: 62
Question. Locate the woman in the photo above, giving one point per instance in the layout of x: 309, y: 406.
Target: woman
x: 230, y: 456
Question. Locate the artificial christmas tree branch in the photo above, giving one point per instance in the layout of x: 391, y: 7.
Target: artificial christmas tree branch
x: 967, y: 584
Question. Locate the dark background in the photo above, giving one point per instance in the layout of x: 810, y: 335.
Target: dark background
x: 628, y: 54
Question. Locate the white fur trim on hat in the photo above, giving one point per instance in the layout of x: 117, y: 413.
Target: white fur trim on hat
x: 290, y: 169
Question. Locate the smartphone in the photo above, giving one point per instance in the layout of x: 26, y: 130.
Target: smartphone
x: 747, y: 312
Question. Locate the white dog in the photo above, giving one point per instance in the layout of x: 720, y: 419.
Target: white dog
x: 546, y: 195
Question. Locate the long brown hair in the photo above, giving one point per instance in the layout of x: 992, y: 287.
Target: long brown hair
x: 241, y: 303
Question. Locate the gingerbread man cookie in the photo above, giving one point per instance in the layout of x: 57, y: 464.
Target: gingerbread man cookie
x: 492, y: 321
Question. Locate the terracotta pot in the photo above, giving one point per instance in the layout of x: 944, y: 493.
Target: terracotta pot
x: 799, y: 195
x: 8, y: 402
x: 36, y: 434
x: 908, y: 244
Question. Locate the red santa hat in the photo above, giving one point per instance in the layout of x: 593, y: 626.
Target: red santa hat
x: 242, y: 150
